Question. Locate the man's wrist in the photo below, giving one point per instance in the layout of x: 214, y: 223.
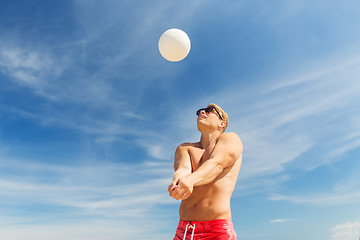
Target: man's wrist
x: 181, y: 175
x: 190, y: 179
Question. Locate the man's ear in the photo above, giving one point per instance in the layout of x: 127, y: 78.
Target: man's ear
x: 222, y: 124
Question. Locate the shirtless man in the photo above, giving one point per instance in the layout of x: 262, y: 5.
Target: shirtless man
x: 205, y: 177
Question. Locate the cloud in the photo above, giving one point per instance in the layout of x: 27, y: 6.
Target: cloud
x: 326, y: 68
x: 157, y: 147
x: 283, y: 119
x: 344, y: 191
x: 105, y: 189
x: 79, y: 79
x: 280, y: 220
x: 29, y: 67
x: 249, y: 185
x: 324, y: 199
x: 98, y: 200
x: 346, y: 231
x: 110, y: 229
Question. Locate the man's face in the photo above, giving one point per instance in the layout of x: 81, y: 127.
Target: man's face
x: 209, y: 109
x: 208, y: 117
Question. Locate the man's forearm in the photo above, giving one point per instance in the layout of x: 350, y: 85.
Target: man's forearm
x: 206, y: 173
x: 179, y: 173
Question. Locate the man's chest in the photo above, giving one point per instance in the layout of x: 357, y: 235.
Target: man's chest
x: 198, y: 156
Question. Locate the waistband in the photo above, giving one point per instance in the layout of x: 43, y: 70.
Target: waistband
x: 205, y: 226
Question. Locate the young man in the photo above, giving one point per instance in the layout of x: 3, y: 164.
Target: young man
x: 205, y: 177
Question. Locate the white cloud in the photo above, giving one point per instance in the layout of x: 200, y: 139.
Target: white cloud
x: 110, y: 229
x: 281, y: 220
x: 102, y: 100
x: 89, y: 201
x: 324, y: 199
x: 105, y: 189
x: 157, y: 148
x: 29, y: 67
x: 248, y: 185
x: 283, y: 119
x: 319, y: 70
x: 346, y: 231
x: 113, y: 91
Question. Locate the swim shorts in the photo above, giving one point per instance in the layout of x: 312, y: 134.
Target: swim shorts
x: 219, y: 229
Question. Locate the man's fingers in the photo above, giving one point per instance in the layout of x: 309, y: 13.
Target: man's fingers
x: 170, y: 190
x: 182, y: 192
x: 179, y: 190
x: 175, y: 195
x: 185, y: 194
x: 174, y: 183
x: 173, y: 192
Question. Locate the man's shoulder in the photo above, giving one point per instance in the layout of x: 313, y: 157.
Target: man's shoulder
x: 231, y: 139
x: 189, y: 144
x: 229, y: 136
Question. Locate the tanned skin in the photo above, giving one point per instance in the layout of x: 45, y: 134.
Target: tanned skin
x: 206, y: 172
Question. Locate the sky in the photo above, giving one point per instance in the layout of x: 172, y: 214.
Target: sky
x: 91, y: 115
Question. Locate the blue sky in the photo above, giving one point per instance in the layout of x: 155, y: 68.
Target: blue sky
x: 91, y: 115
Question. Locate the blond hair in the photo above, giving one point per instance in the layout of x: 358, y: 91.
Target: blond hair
x: 223, y: 114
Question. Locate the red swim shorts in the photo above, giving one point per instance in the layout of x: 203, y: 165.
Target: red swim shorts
x: 219, y: 229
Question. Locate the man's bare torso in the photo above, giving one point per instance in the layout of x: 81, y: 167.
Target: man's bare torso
x: 210, y: 201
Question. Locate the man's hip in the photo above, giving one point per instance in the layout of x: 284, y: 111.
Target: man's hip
x: 218, y: 229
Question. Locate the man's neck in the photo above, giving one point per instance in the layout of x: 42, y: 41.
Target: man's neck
x: 209, y: 138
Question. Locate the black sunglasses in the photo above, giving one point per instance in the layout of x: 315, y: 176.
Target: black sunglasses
x: 209, y: 110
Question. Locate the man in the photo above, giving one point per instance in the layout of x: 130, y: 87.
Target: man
x: 205, y: 177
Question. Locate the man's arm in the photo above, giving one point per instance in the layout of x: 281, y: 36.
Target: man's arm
x: 226, y: 152
x: 182, y: 166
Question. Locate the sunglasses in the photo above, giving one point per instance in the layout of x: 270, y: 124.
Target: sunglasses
x: 209, y: 110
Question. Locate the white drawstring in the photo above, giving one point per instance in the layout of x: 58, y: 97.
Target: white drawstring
x: 192, y: 234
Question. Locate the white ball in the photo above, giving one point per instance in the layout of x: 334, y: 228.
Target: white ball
x: 174, y: 45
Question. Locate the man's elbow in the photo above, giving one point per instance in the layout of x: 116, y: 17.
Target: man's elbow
x: 219, y: 168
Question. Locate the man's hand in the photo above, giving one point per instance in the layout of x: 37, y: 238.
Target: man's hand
x: 173, y: 185
x: 181, y: 188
